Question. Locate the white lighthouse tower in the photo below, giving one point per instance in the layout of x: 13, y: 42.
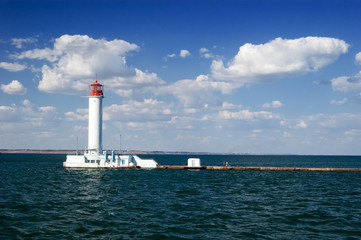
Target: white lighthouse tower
x: 95, y: 118
x: 94, y: 156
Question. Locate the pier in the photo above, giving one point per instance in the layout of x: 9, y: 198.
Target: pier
x: 224, y: 168
x: 259, y: 168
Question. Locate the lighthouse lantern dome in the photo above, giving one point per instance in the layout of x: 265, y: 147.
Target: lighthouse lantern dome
x: 96, y: 89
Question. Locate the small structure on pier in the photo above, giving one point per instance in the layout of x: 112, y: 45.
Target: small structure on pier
x: 194, y: 162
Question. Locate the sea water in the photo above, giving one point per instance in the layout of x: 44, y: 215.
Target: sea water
x: 39, y: 199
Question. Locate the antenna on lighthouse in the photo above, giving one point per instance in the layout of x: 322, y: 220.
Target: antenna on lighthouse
x: 76, y: 146
x: 120, y: 143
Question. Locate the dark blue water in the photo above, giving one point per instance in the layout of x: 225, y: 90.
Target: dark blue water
x: 41, y: 200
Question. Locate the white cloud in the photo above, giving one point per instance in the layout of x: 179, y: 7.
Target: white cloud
x: 28, y: 104
x: 336, y: 121
x: 47, y: 109
x: 127, y: 86
x: 76, y: 59
x: 358, y: 58
x: 80, y: 114
x: 205, y: 53
x: 48, y: 54
x: 279, y: 58
x: 226, y: 105
x: 172, y: 55
x: 136, y: 111
x: 353, y: 132
x: 14, y: 88
x: 190, y: 110
x: 12, y: 67
x: 8, y: 114
x: 273, y: 104
x: 246, y: 115
x: 347, y: 83
x: 38, y: 115
x: 293, y: 124
x: 18, y: 42
x: 196, y: 92
x: 339, y: 102
x: 203, y: 50
x: 184, y: 53
x: 301, y: 124
x: 29, y: 126
x: 28, y: 114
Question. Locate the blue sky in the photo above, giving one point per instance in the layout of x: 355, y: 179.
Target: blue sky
x: 213, y: 76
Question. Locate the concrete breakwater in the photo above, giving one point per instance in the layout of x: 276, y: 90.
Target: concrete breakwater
x: 259, y: 168
x: 221, y: 168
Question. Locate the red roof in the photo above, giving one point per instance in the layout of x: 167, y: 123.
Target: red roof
x: 96, y: 83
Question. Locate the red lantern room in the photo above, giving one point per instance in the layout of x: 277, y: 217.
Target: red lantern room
x: 96, y: 89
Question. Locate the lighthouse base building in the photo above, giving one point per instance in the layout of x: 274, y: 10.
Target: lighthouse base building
x: 94, y: 156
x: 106, y: 160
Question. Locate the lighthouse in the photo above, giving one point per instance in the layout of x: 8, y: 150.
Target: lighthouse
x: 95, y: 118
x: 94, y: 156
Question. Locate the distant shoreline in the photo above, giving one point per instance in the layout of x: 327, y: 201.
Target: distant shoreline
x: 72, y: 151
x: 51, y: 151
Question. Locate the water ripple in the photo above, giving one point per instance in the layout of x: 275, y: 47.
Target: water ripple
x: 41, y: 200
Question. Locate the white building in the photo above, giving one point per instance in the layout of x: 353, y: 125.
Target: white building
x: 194, y: 162
x: 94, y: 156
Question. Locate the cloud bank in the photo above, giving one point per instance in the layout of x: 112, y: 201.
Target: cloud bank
x: 279, y: 58
x: 75, y: 60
